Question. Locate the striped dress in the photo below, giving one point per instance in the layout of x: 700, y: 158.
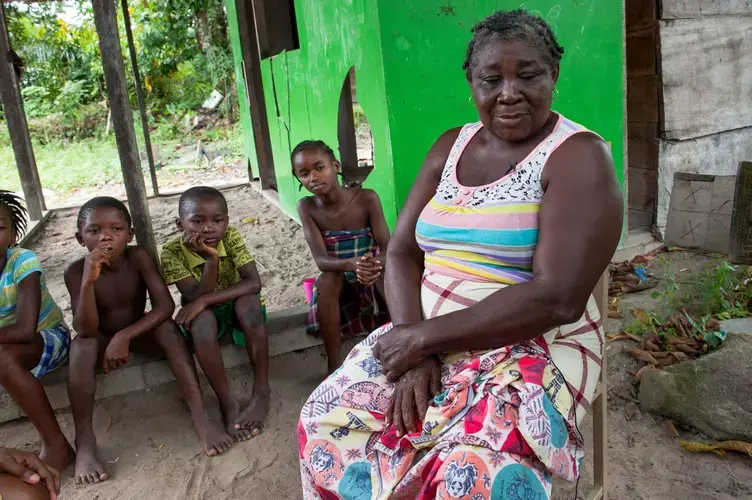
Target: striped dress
x: 506, y: 420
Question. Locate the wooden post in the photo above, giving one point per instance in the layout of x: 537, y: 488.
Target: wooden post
x: 105, y: 19
x: 140, y: 96
x: 255, y: 90
x: 15, y: 118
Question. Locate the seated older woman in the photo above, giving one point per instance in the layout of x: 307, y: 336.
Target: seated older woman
x: 478, y: 388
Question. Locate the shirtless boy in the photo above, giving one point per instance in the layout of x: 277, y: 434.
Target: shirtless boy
x: 108, y: 289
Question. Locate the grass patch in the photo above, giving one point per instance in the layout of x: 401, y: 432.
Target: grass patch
x: 64, y: 166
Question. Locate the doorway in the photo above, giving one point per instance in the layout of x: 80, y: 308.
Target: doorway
x: 354, y: 135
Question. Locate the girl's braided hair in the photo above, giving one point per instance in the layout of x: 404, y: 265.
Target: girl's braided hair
x: 18, y: 214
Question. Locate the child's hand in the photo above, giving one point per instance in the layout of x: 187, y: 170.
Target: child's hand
x: 30, y: 469
x: 188, y: 313
x: 368, y: 269
x: 93, y: 265
x: 116, y: 354
x: 195, y: 243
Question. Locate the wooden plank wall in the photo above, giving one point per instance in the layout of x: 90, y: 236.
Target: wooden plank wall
x: 706, y: 69
x: 707, y: 75
x: 643, y: 111
x: 684, y: 9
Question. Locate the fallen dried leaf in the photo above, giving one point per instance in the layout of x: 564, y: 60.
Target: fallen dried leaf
x: 686, y: 349
x: 641, y: 315
x: 617, y: 337
x: 614, y: 314
x: 667, y: 361
x: 718, y: 448
x: 643, y: 356
x: 672, y: 429
x: 680, y: 356
x: 650, y: 346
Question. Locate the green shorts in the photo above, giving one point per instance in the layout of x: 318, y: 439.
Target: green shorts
x: 227, y: 322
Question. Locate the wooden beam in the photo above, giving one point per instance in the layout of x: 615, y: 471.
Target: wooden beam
x: 105, y: 19
x: 15, y: 118
x: 255, y: 90
x: 140, y: 97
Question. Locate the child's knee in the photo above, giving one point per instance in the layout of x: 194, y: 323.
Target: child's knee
x: 204, y: 327
x: 330, y: 282
x: 8, y: 358
x: 249, y: 310
x: 84, y: 351
x: 168, y: 333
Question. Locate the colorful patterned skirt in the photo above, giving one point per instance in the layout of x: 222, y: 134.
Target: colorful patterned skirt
x: 505, y: 423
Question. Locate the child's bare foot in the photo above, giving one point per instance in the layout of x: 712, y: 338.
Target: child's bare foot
x: 252, y: 418
x: 230, y: 417
x: 89, y: 466
x: 214, y: 441
x: 59, y: 456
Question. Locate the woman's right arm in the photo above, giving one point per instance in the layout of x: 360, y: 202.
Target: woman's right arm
x: 403, y: 274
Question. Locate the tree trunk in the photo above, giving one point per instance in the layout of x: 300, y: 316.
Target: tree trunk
x: 219, y: 32
x: 203, y: 31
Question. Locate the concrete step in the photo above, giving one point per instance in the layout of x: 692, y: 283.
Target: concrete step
x: 286, y: 329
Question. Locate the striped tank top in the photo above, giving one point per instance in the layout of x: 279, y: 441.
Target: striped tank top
x: 488, y: 233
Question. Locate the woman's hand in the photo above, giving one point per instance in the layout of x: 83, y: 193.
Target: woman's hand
x: 30, y: 469
x: 398, y: 351
x: 413, y: 394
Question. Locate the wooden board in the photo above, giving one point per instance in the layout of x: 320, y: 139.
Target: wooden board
x: 642, y: 189
x: 642, y: 52
x: 700, y: 215
x: 640, y: 14
x: 741, y: 220
x: 683, y: 9
x: 717, y: 154
x: 642, y: 98
x: 707, y: 75
x: 642, y: 144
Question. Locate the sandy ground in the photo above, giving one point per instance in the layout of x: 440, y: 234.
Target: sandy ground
x: 277, y: 242
x: 149, y: 443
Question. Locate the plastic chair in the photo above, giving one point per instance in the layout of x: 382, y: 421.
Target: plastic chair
x: 600, y: 410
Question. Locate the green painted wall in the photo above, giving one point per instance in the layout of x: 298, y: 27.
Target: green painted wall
x: 249, y: 144
x: 407, y: 58
x: 424, y: 44
x: 302, y: 89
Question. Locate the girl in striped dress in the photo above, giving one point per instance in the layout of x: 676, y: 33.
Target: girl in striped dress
x: 477, y: 388
x: 34, y: 339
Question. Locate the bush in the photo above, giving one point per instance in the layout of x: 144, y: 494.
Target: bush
x: 78, y: 123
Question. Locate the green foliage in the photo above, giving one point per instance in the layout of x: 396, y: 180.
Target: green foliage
x: 183, y: 54
x: 60, y: 60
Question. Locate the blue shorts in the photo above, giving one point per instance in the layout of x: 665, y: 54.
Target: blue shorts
x: 56, y: 348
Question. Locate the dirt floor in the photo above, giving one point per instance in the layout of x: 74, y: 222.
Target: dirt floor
x: 276, y: 241
x: 152, y: 451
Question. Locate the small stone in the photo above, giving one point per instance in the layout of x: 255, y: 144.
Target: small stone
x: 630, y: 410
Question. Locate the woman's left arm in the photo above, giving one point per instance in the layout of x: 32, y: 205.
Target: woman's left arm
x: 580, y: 224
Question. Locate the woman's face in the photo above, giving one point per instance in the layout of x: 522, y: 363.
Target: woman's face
x: 512, y: 86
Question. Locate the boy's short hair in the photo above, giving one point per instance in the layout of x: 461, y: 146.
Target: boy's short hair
x: 102, y: 202
x: 195, y: 193
x: 18, y: 214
